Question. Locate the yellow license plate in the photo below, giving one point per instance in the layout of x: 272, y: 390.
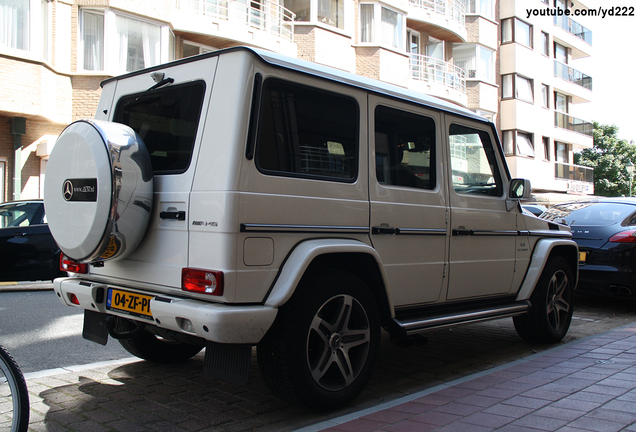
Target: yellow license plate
x: 129, y: 302
x: 582, y: 257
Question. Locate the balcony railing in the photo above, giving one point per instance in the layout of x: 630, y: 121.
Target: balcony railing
x: 269, y: 17
x: 453, y: 9
x: 567, y: 73
x: 430, y: 69
x: 574, y: 172
x: 571, y: 26
x: 566, y: 121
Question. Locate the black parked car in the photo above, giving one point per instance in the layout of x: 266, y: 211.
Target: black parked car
x: 605, y: 230
x: 27, y: 249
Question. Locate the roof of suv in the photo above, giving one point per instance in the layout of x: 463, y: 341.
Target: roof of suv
x: 326, y: 72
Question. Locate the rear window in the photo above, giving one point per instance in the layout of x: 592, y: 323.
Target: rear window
x: 167, y: 120
x: 594, y: 214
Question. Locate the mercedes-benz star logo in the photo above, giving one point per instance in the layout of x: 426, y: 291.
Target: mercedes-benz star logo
x: 67, y: 190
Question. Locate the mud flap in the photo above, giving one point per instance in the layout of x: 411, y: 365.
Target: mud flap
x: 228, y: 362
x: 94, y: 330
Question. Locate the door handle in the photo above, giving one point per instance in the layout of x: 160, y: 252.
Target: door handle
x: 462, y: 232
x: 383, y: 230
x: 178, y: 215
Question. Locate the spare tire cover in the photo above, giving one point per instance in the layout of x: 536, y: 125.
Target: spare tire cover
x: 98, y: 191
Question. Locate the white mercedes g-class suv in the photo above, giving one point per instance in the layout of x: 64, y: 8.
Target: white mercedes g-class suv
x: 241, y: 198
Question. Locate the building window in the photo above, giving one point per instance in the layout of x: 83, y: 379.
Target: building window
x: 476, y: 60
x: 118, y: 43
x: 515, y: 30
x: 25, y: 25
x: 517, y: 87
x: 517, y: 143
x: 388, y: 31
x: 545, y: 96
x: 561, y: 103
x: 546, y: 148
x: 560, y: 53
x: 485, y: 8
x: 545, y: 44
x: 329, y: 12
x: 561, y: 152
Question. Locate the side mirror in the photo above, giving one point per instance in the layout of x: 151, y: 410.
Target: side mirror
x: 520, y: 189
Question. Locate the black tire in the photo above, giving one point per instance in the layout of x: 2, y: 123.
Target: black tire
x: 149, y: 347
x: 552, y: 301
x: 322, y: 349
x: 12, y: 380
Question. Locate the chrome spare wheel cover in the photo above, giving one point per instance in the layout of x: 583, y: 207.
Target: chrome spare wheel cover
x: 98, y: 191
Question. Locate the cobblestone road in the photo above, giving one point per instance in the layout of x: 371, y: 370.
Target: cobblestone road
x: 138, y: 396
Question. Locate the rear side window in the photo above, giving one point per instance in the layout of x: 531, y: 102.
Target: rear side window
x: 167, y: 120
x: 306, y: 132
x: 404, y: 149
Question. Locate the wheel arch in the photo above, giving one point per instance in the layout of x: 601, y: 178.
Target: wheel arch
x: 314, y: 256
x: 544, y: 251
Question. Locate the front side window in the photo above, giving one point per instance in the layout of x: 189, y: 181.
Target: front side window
x: 167, y: 120
x: 477, y: 173
x: 119, y: 43
x: 404, y: 149
x: 307, y: 132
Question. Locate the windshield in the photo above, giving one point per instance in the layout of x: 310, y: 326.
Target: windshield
x: 592, y: 214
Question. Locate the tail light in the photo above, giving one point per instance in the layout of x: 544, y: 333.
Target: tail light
x: 202, y: 281
x: 68, y: 265
x: 624, y: 237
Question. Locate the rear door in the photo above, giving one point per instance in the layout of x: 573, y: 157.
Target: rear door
x: 169, y: 120
x: 408, y: 199
x: 483, y: 231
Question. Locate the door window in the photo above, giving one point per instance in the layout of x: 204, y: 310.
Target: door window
x: 473, y: 162
x: 404, y: 149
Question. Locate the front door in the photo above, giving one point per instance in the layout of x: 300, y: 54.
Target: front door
x: 408, y: 199
x: 483, y: 232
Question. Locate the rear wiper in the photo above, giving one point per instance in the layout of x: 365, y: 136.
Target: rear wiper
x: 160, y: 83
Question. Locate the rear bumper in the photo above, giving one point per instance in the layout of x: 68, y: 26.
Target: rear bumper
x: 220, y: 323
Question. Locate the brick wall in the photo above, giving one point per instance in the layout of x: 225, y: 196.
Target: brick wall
x: 86, y: 93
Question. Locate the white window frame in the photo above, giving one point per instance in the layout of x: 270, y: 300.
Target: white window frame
x: 518, y: 143
x: 485, y: 8
x: 111, y: 58
x: 312, y: 17
x: 37, y: 33
x: 376, y: 35
x: 478, y: 62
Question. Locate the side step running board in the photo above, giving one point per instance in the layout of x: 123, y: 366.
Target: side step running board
x: 414, y: 325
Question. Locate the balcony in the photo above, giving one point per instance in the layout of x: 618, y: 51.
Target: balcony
x: 574, y: 172
x: 442, y: 19
x: 269, y: 17
x: 566, y: 121
x: 572, y: 75
x: 435, y: 71
x: 574, y: 28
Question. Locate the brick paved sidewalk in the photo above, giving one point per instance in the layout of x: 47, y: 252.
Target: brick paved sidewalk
x: 587, y: 385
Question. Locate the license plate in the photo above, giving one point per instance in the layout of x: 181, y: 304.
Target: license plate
x: 129, y: 303
x: 582, y: 257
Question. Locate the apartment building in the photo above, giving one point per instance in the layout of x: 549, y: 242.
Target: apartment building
x: 481, y: 54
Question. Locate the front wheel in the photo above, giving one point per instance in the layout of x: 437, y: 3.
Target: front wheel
x: 549, y: 318
x: 321, y: 351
